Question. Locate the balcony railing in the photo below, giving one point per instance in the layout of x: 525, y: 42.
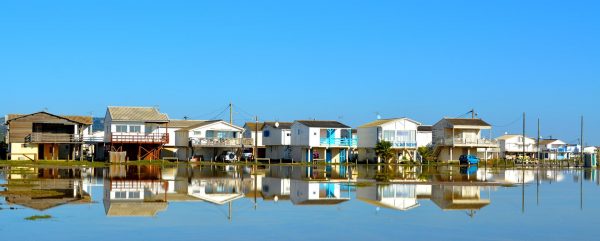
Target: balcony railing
x: 466, y: 142
x: 38, y: 137
x: 222, y: 142
x: 339, y: 141
x: 152, y: 138
x: 403, y: 144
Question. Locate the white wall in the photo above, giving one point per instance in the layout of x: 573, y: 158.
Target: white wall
x: 424, y: 138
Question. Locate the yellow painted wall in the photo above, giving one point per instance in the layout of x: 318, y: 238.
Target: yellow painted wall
x: 19, y: 148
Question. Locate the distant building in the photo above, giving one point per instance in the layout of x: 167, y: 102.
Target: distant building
x: 277, y: 139
x: 317, y: 140
x: 554, y: 149
x: 209, y: 139
x: 400, y: 132
x: 142, y: 132
x: 251, y: 131
x: 453, y: 137
x: 511, y: 146
x: 46, y: 136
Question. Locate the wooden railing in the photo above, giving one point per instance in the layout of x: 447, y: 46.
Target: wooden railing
x: 466, y: 142
x: 222, y: 142
x: 38, y: 137
x: 152, y: 138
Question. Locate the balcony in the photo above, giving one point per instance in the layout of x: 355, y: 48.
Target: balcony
x: 222, y: 142
x: 402, y: 144
x: 138, y: 138
x: 40, y: 137
x: 464, y: 142
x: 349, y: 142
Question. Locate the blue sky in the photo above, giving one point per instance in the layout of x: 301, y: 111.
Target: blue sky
x: 341, y: 60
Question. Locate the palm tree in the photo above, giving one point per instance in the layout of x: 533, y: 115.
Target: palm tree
x: 384, y: 151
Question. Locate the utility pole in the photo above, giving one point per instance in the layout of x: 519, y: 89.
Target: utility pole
x: 255, y: 151
x: 523, y: 160
x: 538, y: 144
x: 582, y: 147
x: 230, y: 113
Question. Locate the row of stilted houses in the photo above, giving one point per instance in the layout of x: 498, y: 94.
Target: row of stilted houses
x: 145, y: 133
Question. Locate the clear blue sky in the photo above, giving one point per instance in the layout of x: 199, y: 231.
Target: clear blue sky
x: 343, y: 60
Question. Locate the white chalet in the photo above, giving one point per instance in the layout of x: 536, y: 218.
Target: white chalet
x: 400, y: 132
x: 315, y: 140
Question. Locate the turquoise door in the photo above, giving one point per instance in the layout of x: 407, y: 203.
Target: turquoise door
x: 329, y: 189
x: 328, y: 161
x: 331, y: 136
x: 343, y: 156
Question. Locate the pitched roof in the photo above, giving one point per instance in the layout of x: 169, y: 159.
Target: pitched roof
x: 467, y: 122
x: 134, y: 209
x: 322, y: 123
x: 184, y: 123
x: 281, y: 125
x: 509, y: 136
x: 425, y: 128
x: 252, y: 126
x: 127, y: 113
x: 86, y: 120
x: 549, y: 141
x: 384, y: 121
x: 205, y: 123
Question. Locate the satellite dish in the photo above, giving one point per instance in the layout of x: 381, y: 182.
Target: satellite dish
x: 276, y: 199
x: 277, y: 124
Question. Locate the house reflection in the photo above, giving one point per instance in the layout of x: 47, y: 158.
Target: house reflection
x: 44, y: 188
x: 214, y: 184
x: 276, y: 185
x: 450, y: 197
x: 134, y: 191
x: 308, y: 192
x: 393, y: 196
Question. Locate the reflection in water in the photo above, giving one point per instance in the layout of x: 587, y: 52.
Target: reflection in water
x: 147, y: 190
x: 43, y: 188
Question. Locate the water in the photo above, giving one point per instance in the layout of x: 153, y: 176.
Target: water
x: 298, y: 203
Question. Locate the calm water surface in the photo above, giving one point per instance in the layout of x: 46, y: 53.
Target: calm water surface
x: 298, y: 203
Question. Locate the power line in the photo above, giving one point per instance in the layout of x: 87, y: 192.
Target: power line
x: 511, y: 123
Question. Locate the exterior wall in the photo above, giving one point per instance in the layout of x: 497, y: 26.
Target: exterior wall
x: 171, y: 132
x: 424, y: 138
x: 367, y: 137
x: 248, y: 133
x: 300, y: 135
x: 31, y: 151
x: 278, y: 152
x: 276, y: 136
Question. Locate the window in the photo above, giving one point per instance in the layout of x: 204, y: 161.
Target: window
x: 197, y: 133
x: 266, y: 133
x: 135, y: 195
x: 121, y: 128
x: 135, y: 129
x: 121, y: 195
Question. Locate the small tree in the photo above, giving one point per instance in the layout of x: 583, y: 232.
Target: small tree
x: 384, y: 151
x: 426, y: 152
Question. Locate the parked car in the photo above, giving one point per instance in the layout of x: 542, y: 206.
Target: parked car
x: 227, y: 156
x: 247, y: 155
x: 468, y: 160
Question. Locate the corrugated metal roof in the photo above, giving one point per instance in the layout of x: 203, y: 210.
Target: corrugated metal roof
x: 128, y: 113
x: 252, y: 126
x: 384, y: 121
x: 282, y: 125
x: 86, y: 120
x: 184, y: 123
x: 322, y: 124
x: 205, y: 123
x: 467, y: 122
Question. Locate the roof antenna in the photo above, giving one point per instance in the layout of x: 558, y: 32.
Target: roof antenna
x: 45, y: 109
x: 186, y: 117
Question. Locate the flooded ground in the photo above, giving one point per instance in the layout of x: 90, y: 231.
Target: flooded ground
x: 298, y: 203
